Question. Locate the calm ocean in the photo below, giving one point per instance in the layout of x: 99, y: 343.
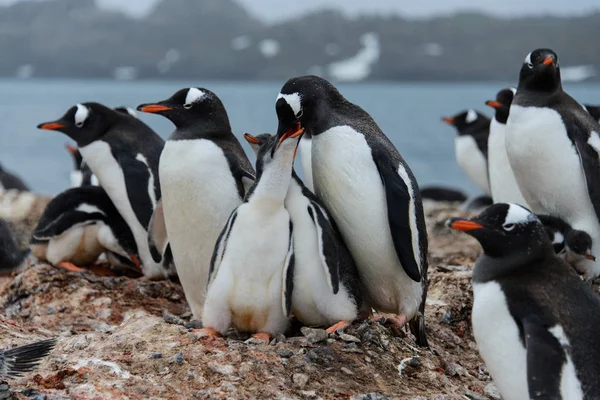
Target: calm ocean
x: 409, y: 114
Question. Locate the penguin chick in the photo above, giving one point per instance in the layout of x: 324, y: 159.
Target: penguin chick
x: 327, y: 288
x: 252, y: 268
x: 534, y: 320
x: 15, y: 362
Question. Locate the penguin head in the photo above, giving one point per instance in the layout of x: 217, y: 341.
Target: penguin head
x: 304, y: 100
x: 127, y: 111
x: 502, y: 103
x: 503, y: 229
x: 540, y: 72
x: 594, y: 111
x: 84, y: 122
x: 463, y: 120
x: 257, y: 141
x: 580, y: 242
x: 279, y: 151
x: 188, y: 106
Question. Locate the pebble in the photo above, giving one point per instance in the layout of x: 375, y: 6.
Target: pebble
x: 285, y: 353
x: 309, y: 394
x: 194, y: 324
x: 156, y: 355
x: 447, y: 318
x: 474, y: 396
x: 454, y: 369
x: 314, y: 335
x: 255, y: 341
x: 178, y: 358
x: 221, y: 369
x: 492, y: 391
x: 346, y: 371
x: 367, y: 359
x: 320, y: 355
x: 369, y: 396
x: 300, y: 380
x: 171, y: 319
x: 349, y: 338
x: 227, y: 387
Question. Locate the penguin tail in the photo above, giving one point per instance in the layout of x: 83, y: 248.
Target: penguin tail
x: 15, y: 362
x: 417, y: 327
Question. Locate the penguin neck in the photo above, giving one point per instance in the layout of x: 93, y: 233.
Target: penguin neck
x: 273, y: 182
x: 201, y: 128
x: 488, y: 268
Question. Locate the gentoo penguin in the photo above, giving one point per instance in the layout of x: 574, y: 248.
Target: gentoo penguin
x: 327, y: 289
x: 19, y: 360
x: 470, y: 145
x: 123, y: 153
x: 371, y: 193
x: 11, y: 257
x: 534, y: 320
x: 436, y: 193
x: 252, y: 269
x: 570, y: 244
x: 553, y: 147
x: 80, y: 224
x: 127, y: 110
x: 82, y: 174
x: 502, y: 180
x: 204, y: 176
x: 594, y: 111
x: 10, y: 181
x: 477, y: 203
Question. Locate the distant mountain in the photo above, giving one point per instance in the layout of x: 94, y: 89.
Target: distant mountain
x: 219, y: 39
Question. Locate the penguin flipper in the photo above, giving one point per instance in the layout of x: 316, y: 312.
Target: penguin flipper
x: 288, y: 275
x: 328, y: 246
x: 590, y: 163
x: 64, y: 222
x: 399, y: 209
x: 220, y: 247
x: 244, y: 179
x: 157, y: 233
x: 545, y: 359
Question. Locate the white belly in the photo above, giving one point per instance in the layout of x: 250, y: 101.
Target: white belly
x: 347, y: 181
x: 110, y: 175
x: 78, y: 245
x: 472, y: 161
x: 547, y: 168
x: 306, y: 159
x: 497, y: 337
x: 503, y: 184
x: 198, y: 195
x: 313, y: 301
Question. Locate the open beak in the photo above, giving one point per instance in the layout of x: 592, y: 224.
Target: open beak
x: 71, y: 149
x: 153, y: 108
x: 135, y: 260
x: 448, y: 120
x: 493, y: 104
x: 549, y: 60
x: 51, y: 126
x: 291, y: 133
x: 464, y: 225
x: 252, y: 139
x: 590, y: 256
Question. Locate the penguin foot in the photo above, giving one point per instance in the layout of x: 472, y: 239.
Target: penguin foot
x: 396, y: 321
x: 69, y: 266
x: 262, y: 336
x: 337, y: 327
x: 208, y: 332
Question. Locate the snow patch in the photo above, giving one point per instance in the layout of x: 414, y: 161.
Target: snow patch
x: 577, y: 73
x: 358, y: 67
x: 269, y: 47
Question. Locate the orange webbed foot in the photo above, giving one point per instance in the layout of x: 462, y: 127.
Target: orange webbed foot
x: 336, y: 327
x: 69, y: 266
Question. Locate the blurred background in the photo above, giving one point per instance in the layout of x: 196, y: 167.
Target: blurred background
x: 407, y: 63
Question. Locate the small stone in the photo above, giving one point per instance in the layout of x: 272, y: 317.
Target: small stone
x: 474, y: 396
x: 300, y: 380
x: 156, y: 355
x: 171, y: 319
x: 309, y: 394
x: 177, y: 358
x: 314, y: 335
x: 194, y: 324
x: 227, y: 387
x: 492, y: 391
x: 447, y: 318
x: 349, y: 338
x: 285, y: 353
x: 279, y: 338
x: 226, y: 369
x: 414, y: 362
x: 369, y: 396
x: 367, y: 359
x: 454, y: 369
x: 255, y: 341
x: 346, y: 371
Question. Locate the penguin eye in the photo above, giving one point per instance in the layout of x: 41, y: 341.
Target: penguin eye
x: 300, y: 113
x: 529, y: 65
x: 187, y: 106
x: 79, y: 124
x: 508, y: 227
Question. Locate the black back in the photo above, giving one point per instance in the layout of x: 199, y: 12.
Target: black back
x: 10, y: 255
x: 9, y: 181
x: 594, y: 111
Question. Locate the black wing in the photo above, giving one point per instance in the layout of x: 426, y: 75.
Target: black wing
x: 400, y: 205
x: 288, y: 275
x: 137, y: 178
x: 64, y: 222
x: 157, y: 233
x: 545, y: 360
x: 220, y: 247
x: 328, y: 246
x: 244, y: 179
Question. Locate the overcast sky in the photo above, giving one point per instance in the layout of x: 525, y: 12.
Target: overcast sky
x: 273, y: 10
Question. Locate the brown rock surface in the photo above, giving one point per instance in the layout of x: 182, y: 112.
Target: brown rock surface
x: 114, y: 341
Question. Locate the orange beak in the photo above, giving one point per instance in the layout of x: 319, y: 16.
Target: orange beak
x: 291, y: 133
x: 136, y: 261
x: 548, y: 60
x: 448, y: 120
x: 51, y: 126
x: 153, y: 108
x: 71, y: 149
x: 590, y: 256
x: 493, y: 104
x: 465, y: 225
x: 252, y: 139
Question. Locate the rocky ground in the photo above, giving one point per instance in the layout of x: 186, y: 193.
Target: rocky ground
x: 132, y: 339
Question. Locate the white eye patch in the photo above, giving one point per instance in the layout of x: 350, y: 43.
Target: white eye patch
x: 471, y: 116
x: 81, y: 115
x: 294, y: 100
x: 528, y: 59
x: 193, y: 95
x: 517, y: 215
